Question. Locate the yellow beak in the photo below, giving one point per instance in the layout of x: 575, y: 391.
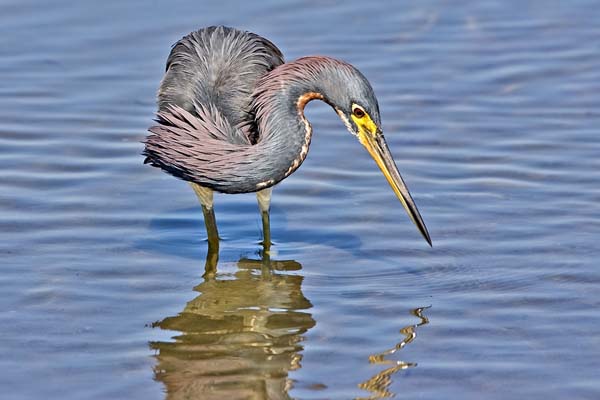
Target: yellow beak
x: 378, y: 148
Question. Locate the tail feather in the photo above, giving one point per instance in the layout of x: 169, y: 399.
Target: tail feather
x: 193, y: 148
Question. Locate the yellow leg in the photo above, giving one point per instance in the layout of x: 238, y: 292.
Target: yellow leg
x: 205, y: 196
x: 264, y: 204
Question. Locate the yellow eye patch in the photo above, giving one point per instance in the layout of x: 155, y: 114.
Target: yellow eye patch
x: 363, y: 120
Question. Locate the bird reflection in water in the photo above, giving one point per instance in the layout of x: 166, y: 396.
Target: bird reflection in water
x: 240, y: 337
x: 379, y: 384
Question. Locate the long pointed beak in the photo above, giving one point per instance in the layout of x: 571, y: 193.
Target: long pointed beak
x: 380, y: 152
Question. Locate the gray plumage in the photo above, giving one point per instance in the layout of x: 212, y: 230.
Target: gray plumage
x: 228, y: 116
x: 217, y: 67
x: 231, y: 117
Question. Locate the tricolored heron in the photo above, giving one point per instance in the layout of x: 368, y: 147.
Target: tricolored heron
x: 231, y: 118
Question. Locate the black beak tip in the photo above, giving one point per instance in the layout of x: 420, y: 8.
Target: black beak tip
x: 425, y: 234
x: 427, y: 238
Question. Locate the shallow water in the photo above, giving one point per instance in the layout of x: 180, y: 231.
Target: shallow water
x: 492, y: 111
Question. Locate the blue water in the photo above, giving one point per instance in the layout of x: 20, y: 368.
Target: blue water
x: 491, y: 109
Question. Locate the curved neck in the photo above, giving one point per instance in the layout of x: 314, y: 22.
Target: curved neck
x: 284, y: 132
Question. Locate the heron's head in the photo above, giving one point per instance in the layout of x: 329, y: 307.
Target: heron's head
x: 356, y: 104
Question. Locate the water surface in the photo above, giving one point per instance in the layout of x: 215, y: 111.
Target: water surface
x: 491, y: 109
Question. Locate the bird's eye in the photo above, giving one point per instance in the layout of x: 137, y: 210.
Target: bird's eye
x: 358, y: 112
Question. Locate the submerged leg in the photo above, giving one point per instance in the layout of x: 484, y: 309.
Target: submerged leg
x: 205, y: 196
x: 264, y: 203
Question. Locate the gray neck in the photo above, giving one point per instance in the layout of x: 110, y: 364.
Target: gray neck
x: 284, y: 132
x: 283, y: 142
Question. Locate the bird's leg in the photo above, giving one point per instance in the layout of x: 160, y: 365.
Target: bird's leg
x: 212, y: 259
x: 205, y: 196
x: 264, y: 203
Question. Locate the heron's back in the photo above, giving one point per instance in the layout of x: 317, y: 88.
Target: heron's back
x: 217, y: 66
